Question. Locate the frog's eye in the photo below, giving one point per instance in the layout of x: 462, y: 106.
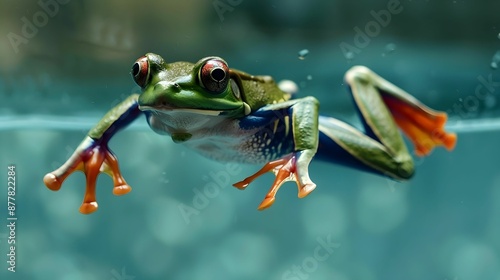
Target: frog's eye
x: 214, y: 75
x: 140, y: 71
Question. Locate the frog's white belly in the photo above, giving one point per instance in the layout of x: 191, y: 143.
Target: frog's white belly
x: 217, y: 137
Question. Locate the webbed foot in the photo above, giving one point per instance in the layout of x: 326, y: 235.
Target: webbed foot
x: 424, y: 126
x: 288, y: 168
x: 91, y: 157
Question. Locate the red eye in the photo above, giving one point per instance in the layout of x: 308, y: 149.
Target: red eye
x: 140, y: 71
x: 214, y: 75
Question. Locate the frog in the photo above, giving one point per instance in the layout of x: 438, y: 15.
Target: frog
x: 229, y: 115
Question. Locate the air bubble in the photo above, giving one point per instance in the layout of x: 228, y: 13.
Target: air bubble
x: 303, y: 53
x: 389, y: 48
x: 349, y: 55
x: 495, y: 60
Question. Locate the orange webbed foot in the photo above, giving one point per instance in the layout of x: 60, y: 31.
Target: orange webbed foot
x: 91, y: 158
x: 285, y: 169
x: 424, y: 126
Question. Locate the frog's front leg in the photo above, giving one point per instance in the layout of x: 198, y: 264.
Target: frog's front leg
x: 302, y: 122
x: 93, y: 156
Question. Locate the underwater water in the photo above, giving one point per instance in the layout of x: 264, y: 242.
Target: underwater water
x: 65, y: 63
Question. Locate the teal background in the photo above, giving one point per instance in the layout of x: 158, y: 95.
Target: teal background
x: 442, y: 224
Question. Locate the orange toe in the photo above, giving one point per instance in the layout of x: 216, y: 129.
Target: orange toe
x: 424, y: 126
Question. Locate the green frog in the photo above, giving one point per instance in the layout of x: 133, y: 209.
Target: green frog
x: 229, y: 115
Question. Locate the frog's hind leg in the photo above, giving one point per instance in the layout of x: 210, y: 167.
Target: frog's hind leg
x: 383, y: 106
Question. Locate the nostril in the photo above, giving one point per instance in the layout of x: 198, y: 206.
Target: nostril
x: 167, y: 87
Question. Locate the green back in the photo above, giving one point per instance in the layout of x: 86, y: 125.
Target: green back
x: 258, y: 91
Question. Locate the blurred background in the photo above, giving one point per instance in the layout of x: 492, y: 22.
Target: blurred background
x: 64, y: 63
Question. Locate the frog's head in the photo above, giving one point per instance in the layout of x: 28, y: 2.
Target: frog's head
x: 205, y: 87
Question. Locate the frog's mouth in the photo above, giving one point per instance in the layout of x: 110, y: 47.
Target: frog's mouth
x: 170, y: 109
